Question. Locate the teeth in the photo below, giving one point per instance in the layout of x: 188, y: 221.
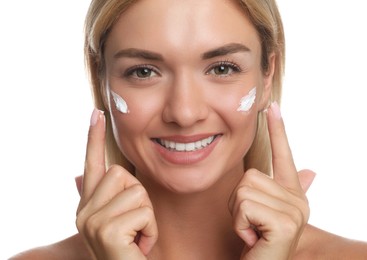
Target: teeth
x: 179, y: 147
x: 187, y: 147
x: 190, y: 147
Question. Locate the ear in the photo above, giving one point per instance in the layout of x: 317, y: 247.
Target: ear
x: 267, y: 83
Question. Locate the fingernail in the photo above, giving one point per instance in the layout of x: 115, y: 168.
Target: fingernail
x: 95, y: 116
x: 79, y: 183
x: 276, y: 110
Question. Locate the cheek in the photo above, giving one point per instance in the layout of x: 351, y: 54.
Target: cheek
x: 238, y: 100
x: 237, y: 109
x: 129, y: 128
x: 243, y: 131
x: 247, y: 101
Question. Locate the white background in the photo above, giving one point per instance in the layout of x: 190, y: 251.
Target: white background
x: 45, y: 107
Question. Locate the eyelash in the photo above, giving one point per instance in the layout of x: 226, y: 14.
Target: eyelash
x: 229, y: 64
x: 129, y: 73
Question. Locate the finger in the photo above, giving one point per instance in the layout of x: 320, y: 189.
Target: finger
x: 95, y: 156
x: 246, y: 222
x: 132, y: 197
x: 267, y: 222
x: 79, y: 183
x: 285, y: 172
x: 148, y: 236
x: 93, y: 217
x: 253, y: 194
x: 249, y: 236
x: 119, y: 233
x: 116, y: 180
x: 142, y: 220
x: 254, y: 179
x: 306, y: 178
x: 295, y: 207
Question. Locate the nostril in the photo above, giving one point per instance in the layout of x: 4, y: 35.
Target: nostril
x: 185, y: 101
x: 185, y: 114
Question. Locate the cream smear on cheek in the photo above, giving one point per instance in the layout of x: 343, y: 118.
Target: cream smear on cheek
x: 247, y: 101
x: 120, y: 103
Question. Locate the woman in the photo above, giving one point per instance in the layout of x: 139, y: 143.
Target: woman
x: 190, y: 90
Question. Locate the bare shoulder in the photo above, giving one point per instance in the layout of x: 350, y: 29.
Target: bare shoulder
x: 319, y: 244
x: 71, y: 248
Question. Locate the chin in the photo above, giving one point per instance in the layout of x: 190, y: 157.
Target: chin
x: 185, y: 180
x: 187, y: 187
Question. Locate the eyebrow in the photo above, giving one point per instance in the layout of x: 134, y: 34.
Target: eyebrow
x: 149, y: 55
x: 224, y: 50
x: 137, y: 53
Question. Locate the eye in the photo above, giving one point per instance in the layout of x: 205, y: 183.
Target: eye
x: 223, y: 69
x: 141, y: 72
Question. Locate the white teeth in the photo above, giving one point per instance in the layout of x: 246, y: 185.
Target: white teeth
x: 188, y: 147
x: 180, y: 147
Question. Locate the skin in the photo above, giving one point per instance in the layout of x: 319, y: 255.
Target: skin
x: 182, y: 99
x: 204, y: 209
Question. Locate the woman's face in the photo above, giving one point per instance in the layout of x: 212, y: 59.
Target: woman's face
x: 182, y: 67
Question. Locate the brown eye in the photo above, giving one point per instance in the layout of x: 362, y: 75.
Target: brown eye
x: 224, y: 69
x: 143, y: 72
x: 221, y: 70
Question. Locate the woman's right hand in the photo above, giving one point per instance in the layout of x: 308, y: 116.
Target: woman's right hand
x: 115, y: 215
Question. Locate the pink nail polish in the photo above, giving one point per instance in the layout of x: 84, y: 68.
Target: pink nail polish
x: 276, y: 110
x: 94, y: 117
x: 79, y: 183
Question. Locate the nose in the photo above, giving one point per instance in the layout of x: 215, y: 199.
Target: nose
x: 185, y: 103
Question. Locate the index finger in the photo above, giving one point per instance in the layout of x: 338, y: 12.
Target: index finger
x: 285, y: 172
x: 94, y: 168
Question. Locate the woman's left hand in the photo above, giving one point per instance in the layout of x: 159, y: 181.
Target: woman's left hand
x: 269, y: 214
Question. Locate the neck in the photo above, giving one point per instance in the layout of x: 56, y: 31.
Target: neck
x: 195, y: 225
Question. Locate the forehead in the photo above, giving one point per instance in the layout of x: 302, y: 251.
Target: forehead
x: 182, y: 26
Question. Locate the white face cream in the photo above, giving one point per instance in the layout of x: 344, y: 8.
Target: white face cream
x: 247, y: 101
x: 120, y: 103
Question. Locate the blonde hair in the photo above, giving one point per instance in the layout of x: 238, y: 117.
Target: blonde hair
x: 264, y: 15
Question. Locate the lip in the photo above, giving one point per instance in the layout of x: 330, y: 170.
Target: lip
x: 185, y: 157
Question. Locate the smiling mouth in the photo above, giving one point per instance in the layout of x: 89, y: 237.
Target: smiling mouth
x: 186, y: 147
